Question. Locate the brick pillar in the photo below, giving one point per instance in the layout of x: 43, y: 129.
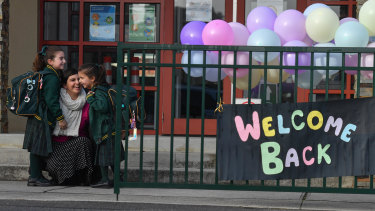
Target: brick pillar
x: 4, y: 66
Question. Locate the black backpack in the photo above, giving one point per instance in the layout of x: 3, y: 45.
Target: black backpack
x: 23, y: 96
x: 133, y: 107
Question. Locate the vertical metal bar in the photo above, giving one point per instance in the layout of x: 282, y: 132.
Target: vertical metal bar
x: 187, y: 119
x: 250, y: 77
x: 118, y: 121
x: 218, y: 101
x: 142, y: 115
x: 280, y: 96
x: 296, y: 77
x: 264, y: 91
x: 126, y: 154
x: 342, y: 72
x: 172, y: 116
x: 157, y: 117
x: 359, y: 76
x: 234, y: 77
x: 203, y: 115
x: 327, y: 76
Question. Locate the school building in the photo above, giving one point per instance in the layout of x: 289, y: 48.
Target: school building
x: 27, y: 25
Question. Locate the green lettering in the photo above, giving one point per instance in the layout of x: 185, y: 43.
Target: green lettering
x: 270, y: 157
x: 322, y: 154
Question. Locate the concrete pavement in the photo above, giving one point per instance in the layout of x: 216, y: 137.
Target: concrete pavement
x: 17, y: 190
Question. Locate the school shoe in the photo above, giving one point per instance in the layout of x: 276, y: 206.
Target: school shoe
x: 41, y: 182
x: 102, y: 184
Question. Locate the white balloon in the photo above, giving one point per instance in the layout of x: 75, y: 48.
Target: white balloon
x: 320, y: 59
x: 196, y: 57
x: 212, y: 73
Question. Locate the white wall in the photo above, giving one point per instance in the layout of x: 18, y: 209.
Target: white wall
x: 23, y: 44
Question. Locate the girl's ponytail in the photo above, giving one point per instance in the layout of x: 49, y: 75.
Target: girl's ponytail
x: 41, y: 58
x: 94, y: 70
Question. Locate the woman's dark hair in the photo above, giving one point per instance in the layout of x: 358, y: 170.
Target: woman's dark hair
x: 66, y: 74
x: 94, y: 70
x: 41, y: 58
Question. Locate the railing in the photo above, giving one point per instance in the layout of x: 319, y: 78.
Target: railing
x: 207, y: 178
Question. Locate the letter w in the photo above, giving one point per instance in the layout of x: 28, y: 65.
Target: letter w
x: 253, y: 130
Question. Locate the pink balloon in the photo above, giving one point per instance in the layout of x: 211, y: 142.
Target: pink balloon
x: 351, y: 60
x: 304, y: 59
x: 344, y: 20
x: 242, y: 59
x: 290, y: 25
x: 217, y: 32
x: 260, y: 18
x: 367, y: 60
x: 240, y: 32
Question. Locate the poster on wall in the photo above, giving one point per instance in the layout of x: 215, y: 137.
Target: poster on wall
x: 199, y: 10
x: 142, y: 23
x: 102, y: 22
x: 296, y: 140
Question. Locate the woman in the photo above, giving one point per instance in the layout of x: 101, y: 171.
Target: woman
x: 50, y: 61
x: 71, y: 162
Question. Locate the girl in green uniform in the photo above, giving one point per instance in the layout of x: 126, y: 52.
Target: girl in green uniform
x: 50, y: 61
x: 92, y: 77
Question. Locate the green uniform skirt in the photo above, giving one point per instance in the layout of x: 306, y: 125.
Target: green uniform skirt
x: 37, y: 138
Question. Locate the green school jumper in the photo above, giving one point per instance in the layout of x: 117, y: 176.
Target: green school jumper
x: 101, y: 125
x: 38, y: 128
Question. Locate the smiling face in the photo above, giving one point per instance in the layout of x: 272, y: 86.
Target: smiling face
x: 86, y: 81
x: 72, y: 86
x: 58, y: 61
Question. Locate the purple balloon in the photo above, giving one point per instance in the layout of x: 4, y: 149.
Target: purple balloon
x: 191, y: 34
x: 240, y: 32
x: 260, y: 18
x: 344, y: 20
x: 351, y: 60
x: 290, y: 25
x: 290, y: 57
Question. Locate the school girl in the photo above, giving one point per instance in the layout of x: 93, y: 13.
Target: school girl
x: 37, y: 141
x: 92, y: 77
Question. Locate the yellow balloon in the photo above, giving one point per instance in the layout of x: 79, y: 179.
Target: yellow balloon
x: 274, y: 74
x: 367, y: 16
x: 243, y: 82
x: 321, y: 24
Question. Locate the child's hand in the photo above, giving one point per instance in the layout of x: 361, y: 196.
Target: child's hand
x: 63, y: 124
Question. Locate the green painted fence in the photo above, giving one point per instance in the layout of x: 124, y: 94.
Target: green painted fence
x: 206, y: 177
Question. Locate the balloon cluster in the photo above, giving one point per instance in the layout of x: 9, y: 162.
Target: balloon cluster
x: 317, y: 26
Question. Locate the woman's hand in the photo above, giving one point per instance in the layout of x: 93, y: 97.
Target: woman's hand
x: 63, y: 124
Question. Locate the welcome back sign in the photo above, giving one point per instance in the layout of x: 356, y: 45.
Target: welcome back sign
x: 297, y: 140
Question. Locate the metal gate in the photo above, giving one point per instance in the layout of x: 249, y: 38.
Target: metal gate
x: 180, y: 168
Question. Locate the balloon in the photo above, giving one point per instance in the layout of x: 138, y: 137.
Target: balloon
x: 351, y: 60
x: 196, y: 58
x: 212, y: 73
x: 273, y: 75
x: 367, y: 60
x: 191, y: 34
x: 308, y: 41
x: 290, y: 57
x: 321, y: 24
x: 242, y: 59
x: 243, y: 82
x: 312, y: 7
x: 304, y: 79
x: 260, y: 18
x: 264, y: 37
x: 320, y: 59
x: 240, y: 32
x: 367, y: 16
x: 344, y: 20
x: 217, y: 32
x: 351, y: 34
x: 290, y: 25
